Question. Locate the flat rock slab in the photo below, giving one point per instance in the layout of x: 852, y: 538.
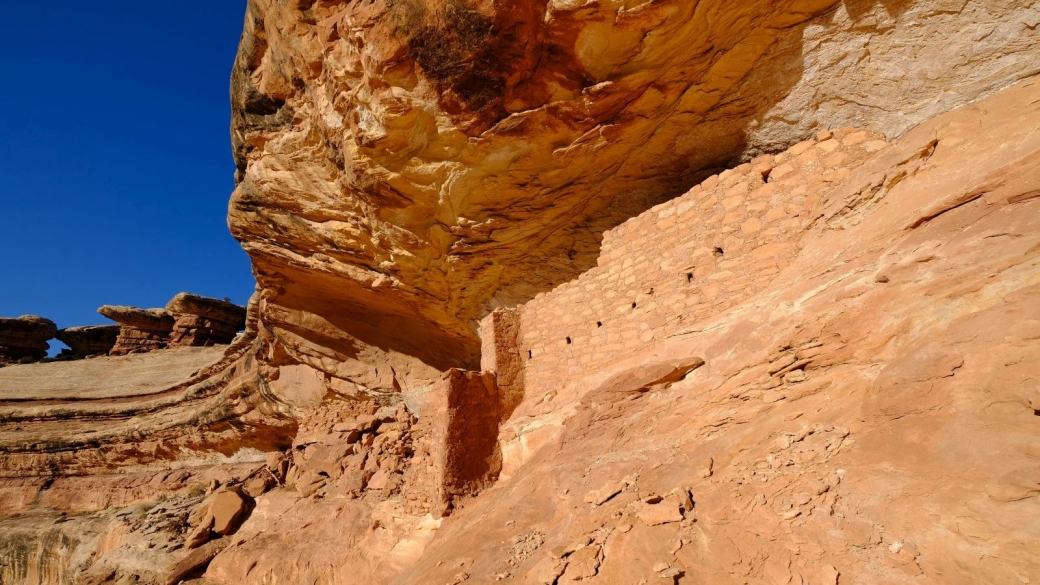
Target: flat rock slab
x: 105, y: 377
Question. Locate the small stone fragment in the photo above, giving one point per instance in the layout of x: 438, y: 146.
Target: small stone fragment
x: 794, y: 376
x: 579, y: 544
x: 201, y: 533
x: 228, y: 508
x: 707, y: 468
x: 258, y: 486
x: 604, y: 494
x: 195, y: 560
x: 582, y: 564
x: 663, y: 513
x: 547, y: 571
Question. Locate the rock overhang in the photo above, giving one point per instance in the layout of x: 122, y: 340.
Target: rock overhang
x: 382, y: 180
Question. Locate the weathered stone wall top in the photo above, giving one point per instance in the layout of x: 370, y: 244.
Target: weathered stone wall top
x: 683, y: 260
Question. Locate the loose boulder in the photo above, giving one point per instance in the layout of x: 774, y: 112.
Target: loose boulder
x: 25, y: 338
x: 88, y: 341
x: 140, y: 330
x: 204, y: 321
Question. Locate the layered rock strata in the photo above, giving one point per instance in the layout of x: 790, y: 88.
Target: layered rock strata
x: 203, y: 321
x: 823, y: 407
x: 88, y: 341
x: 808, y: 433
x: 102, y: 461
x: 405, y: 167
x: 801, y: 425
x: 140, y: 330
x: 25, y: 338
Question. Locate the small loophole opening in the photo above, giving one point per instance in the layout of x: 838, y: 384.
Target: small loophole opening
x: 599, y: 323
x: 689, y: 277
x: 530, y: 354
x: 633, y: 305
x: 568, y: 341
x: 718, y: 251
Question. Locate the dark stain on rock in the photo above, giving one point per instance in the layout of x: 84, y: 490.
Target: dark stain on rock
x: 487, y: 66
x: 251, y: 109
x: 456, y: 52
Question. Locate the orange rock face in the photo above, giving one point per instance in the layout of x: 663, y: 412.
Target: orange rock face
x: 802, y: 429
x: 818, y: 365
x: 849, y: 420
x: 406, y: 167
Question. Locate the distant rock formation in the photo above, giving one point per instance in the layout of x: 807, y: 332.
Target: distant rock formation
x: 140, y: 330
x: 187, y: 321
x: 88, y: 341
x: 202, y: 321
x: 25, y: 338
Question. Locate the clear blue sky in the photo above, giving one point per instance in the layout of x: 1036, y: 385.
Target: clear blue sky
x: 115, y: 157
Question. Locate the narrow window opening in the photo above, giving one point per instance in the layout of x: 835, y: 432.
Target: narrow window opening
x: 689, y: 277
x: 568, y: 341
x: 530, y: 354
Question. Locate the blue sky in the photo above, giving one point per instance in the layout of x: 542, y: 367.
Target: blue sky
x: 115, y: 158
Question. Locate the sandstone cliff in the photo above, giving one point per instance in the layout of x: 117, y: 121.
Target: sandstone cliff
x: 825, y: 385
x: 840, y: 391
x: 407, y: 166
x: 753, y: 293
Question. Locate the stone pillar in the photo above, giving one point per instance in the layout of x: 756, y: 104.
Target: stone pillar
x: 456, y: 442
x: 500, y: 353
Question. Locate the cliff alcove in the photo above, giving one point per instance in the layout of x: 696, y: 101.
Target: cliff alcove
x: 564, y: 292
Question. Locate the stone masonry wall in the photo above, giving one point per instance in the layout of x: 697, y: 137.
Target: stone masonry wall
x: 456, y: 442
x: 676, y: 264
